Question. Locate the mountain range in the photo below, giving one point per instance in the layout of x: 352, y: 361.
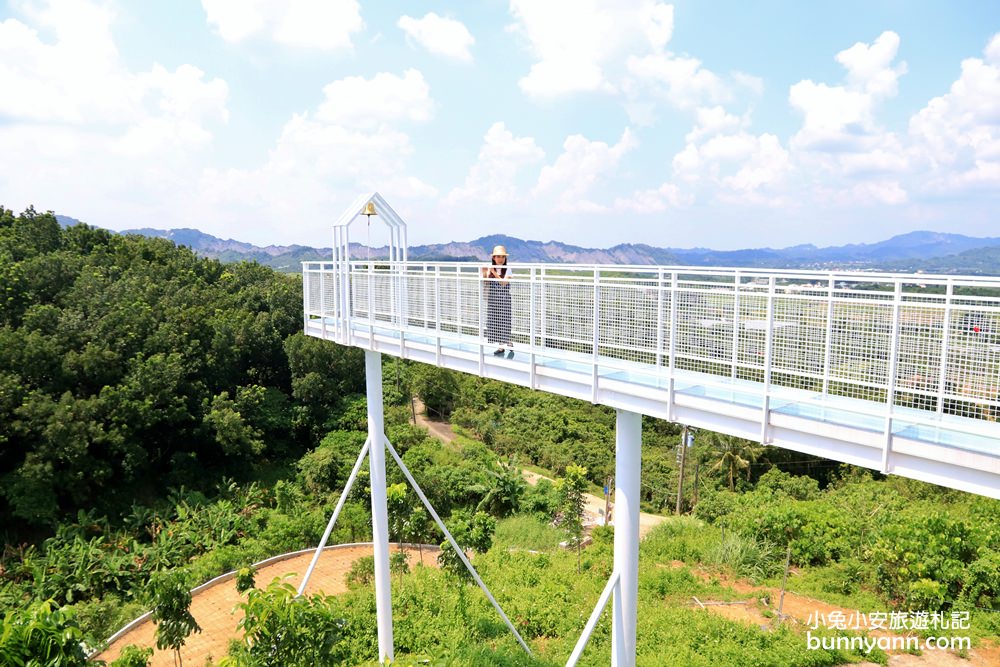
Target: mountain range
x: 920, y: 250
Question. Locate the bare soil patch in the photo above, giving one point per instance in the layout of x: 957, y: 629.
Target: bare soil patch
x: 213, y: 607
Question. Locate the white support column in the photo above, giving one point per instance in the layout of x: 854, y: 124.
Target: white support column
x: 380, y: 512
x: 628, y: 457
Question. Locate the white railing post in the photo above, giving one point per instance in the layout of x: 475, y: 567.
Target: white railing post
x: 945, y: 342
x: 628, y: 465
x: 544, y: 315
x: 337, y: 287
x: 659, y: 319
x: 401, y: 285
x: 426, y: 283
x: 458, y: 299
x: 768, y: 361
x: 672, y: 352
x: 890, y: 390
x: 371, y: 305
x: 597, y: 332
x: 481, y: 285
x: 380, y: 512
x: 532, y: 317
x: 322, y: 301
x: 736, y: 322
x: 437, y: 315
x: 828, y: 345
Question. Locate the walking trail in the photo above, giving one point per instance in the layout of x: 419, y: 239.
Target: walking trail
x: 594, y: 506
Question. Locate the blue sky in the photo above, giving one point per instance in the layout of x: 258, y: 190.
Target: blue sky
x: 697, y: 123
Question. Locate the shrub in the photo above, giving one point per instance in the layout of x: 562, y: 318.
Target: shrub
x: 281, y: 628
x: 933, y: 548
x: 133, y: 656
x: 42, y: 635
x: 362, y: 572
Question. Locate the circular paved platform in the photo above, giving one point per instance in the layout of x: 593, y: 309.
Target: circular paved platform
x: 212, y: 604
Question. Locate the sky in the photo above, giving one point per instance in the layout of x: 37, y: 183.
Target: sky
x: 698, y: 123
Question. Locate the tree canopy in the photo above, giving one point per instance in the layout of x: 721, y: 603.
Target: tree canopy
x: 128, y: 364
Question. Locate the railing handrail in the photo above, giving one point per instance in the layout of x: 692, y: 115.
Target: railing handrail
x: 859, y: 276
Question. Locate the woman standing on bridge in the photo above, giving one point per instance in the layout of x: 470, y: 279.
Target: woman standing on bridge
x: 497, y: 292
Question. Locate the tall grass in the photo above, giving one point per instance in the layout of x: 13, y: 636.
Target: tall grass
x: 745, y: 556
x: 527, y: 532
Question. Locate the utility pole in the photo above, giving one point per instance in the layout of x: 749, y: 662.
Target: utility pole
x: 680, y: 480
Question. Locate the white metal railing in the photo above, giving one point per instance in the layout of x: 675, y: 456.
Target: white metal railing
x: 931, y: 343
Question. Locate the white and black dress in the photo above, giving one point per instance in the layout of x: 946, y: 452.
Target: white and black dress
x: 497, y: 306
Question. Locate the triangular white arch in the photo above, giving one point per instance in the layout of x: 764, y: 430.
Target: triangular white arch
x: 397, y: 228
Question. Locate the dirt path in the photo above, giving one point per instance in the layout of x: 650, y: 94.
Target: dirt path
x: 806, y: 611
x: 212, y: 606
x: 594, y: 506
x: 439, y: 429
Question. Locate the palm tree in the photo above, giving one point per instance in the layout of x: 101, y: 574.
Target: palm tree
x: 732, y: 455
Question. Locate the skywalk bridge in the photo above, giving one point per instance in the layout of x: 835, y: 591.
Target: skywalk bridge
x: 895, y: 372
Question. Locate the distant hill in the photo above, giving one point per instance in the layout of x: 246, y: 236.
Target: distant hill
x: 978, y: 261
x: 922, y: 250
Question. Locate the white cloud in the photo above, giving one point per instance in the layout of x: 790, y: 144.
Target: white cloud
x: 841, y: 118
x: 351, y: 143
x: 680, y: 80
x: 319, y: 24
x: 76, y: 78
x: 715, y: 120
x: 993, y: 50
x: 502, y: 157
x: 581, y: 164
x: 439, y: 35
x: 875, y: 192
x: 655, y: 200
x: 577, y: 41
x: 313, y: 170
x: 869, y: 67
x: 358, y: 102
x: 732, y: 165
x: 958, y: 133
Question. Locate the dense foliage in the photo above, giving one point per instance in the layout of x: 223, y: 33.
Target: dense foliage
x: 128, y: 364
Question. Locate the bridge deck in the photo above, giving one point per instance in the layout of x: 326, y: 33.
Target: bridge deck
x: 786, y: 358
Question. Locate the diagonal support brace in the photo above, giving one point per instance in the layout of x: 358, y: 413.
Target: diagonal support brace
x: 333, y: 519
x: 454, y: 544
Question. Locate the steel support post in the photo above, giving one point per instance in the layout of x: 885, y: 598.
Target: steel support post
x: 380, y: 512
x: 628, y: 457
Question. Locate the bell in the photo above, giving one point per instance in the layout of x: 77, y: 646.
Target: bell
x: 369, y: 210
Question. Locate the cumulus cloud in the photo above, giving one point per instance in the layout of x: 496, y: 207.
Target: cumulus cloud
x: 958, y: 133
x: 318, y: 24
x: 355, y: 101
x: 581, y: 164
x: 439, y: 35
x: 681, y: 80
x: 79, y: 119
x: 736, y: 167
x: 353, y: 142
x: 842, y: 117
x: 577, y: 58
x: 655, y: 200
x: 502, y: 158
x: 76, y: 78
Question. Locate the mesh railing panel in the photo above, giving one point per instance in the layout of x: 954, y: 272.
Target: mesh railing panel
x: 827, y: 333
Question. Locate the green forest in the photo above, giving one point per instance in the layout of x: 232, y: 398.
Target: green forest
x: 163, y: 421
